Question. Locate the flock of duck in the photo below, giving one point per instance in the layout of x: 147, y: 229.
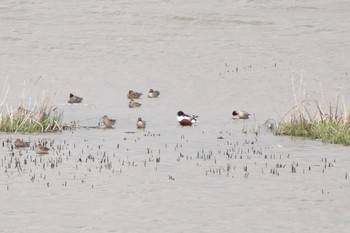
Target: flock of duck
x: 39, y: 149
x: 183, y: 118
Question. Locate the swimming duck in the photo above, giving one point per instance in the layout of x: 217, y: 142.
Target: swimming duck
x: 20, y: 143
x: 241, y: 114
x: 134, y: 94
x: 73, y: 99
x: 41, y: 150
x: 133, y: 104
x: 185, y: 119
x: 108, y: 122
x: 153, y: 94
x: 140, y: 123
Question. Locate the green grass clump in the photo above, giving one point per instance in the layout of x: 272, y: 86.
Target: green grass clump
x: 41, y: 117
x: 331, y: 131
x: 308, y: 119
x: 30, y: 123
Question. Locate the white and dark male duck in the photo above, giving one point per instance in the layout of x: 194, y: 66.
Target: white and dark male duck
x: 153, y: 93
x: 240, y: 114
x: 140, y: 124
x: 186, y: 119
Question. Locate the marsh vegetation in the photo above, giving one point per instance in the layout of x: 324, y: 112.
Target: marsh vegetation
x: 41, y: 116
x: 308, y: 119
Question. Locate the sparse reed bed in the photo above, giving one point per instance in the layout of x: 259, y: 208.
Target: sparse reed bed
x: 41, y: 117
x: 308, y: 119
x: 337, y: 132
x: 30, y: 123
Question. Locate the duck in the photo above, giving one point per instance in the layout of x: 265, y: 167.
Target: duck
x: 240, y: 114
x: 140, y: 123
x: 23, y: 112
x: 186, y: 119
x: 73, y: 99
x: 153, y: 94
x: 39, y: 115
x: 108, y: 122
x: 133, y: 104
x: 20, y: 143
x: 41, y: 150
x: 134, y: 95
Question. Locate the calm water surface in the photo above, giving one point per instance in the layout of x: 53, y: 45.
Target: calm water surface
x: 206, y: 58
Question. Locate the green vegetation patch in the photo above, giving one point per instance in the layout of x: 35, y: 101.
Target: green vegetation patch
x: 41, y: 117
x: 30, y: 122
x: 337, y: 132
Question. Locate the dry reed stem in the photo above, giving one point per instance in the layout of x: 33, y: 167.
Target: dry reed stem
x: 4, y: 93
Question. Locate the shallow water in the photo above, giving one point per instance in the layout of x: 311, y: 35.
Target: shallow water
x: 205, y: 58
